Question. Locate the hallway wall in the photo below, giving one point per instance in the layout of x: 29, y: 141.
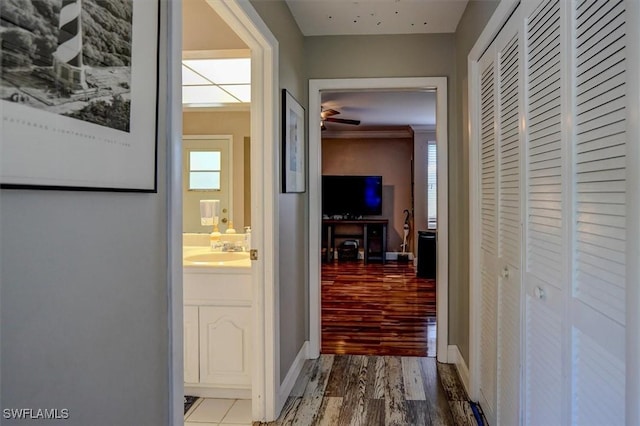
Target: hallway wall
x: 473, y: 21
x: 425, y: 55
x: 293, y: 253
x: 83, y: 299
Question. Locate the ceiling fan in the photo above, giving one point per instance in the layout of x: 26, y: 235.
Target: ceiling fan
x: 327, y: 115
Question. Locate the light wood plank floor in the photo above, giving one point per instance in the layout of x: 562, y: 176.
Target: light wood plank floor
x: 363, y: 390
x: 377, y: 309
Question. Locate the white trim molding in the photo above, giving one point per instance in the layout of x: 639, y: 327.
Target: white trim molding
x: 292, y: 375
x: 455, y: 357
x: 633, y: 226
x: 174, y: 211
x: 316, y: 86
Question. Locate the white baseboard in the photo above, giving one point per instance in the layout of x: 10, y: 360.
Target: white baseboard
x: 292, y: 375
x: 455, y: 357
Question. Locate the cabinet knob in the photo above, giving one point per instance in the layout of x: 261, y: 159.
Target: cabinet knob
x: 539, y: 293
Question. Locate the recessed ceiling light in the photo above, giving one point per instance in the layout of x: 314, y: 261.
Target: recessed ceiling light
x: 216, y: 82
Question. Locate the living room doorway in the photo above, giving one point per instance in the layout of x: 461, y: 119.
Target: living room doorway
x: 317, y: 87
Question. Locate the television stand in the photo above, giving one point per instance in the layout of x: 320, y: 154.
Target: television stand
x: 372, y: 233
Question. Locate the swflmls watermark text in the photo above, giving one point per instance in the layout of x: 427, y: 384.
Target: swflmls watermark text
x: 35, y: 413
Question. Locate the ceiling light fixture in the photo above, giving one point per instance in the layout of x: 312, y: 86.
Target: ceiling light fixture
x: 216, y: 82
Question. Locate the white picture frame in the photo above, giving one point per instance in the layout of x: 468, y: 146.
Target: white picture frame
x: 83, y: 122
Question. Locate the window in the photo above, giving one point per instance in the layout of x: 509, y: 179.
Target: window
x: 204, y: 170
x: 432, y: 185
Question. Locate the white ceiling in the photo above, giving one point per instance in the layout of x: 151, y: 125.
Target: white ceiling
x: 335, y: 17
x: 378, y: 17
x: 381, y: 108
x: 345, y: 17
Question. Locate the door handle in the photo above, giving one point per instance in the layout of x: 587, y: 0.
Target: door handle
x: 505, y: 272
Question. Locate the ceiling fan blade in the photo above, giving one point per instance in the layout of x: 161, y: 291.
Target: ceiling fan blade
x: 343, y: 121
x: 328, y: 113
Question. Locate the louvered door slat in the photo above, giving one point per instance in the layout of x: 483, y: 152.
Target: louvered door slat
x: 509, y: 63
x: 488, y: 163
x: 595, y: 370
x: 543, y: 367
x: 545, y: 248
x: 600, y: 222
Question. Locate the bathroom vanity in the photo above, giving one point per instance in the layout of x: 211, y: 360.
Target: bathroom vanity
x: 217, y: 323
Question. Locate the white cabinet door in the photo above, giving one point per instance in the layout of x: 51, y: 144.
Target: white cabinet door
x: 191, y: 352
x: 225, y: 340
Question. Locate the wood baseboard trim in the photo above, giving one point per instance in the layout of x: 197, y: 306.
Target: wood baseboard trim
x: 455, y: 357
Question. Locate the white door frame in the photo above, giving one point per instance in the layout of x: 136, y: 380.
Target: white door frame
x: 315, y: 196
x: 248, y: 25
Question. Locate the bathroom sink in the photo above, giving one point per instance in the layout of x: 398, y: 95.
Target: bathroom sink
x: 215, y: 257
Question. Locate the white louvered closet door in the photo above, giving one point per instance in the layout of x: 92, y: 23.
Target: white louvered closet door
x: 597, y: 303
x: 500, y: 341
x: 545, y: 271
x: 509, y: 224
x: 489, y: 240
x: 565, y: 131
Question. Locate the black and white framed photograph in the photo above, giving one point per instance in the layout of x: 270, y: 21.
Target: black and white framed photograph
x: 78, y: 94
x: 293, y: 150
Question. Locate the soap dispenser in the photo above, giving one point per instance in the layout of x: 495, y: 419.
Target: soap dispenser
x: 214, y: 238
x: 230, y: 229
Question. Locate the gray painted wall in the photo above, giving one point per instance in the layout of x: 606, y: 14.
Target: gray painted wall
x: 293, y: 233
x: 83, y: 301
x: 473, y: 21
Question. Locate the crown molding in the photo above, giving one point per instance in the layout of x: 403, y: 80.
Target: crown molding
x: 370, y: 132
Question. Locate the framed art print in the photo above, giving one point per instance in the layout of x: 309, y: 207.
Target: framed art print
x: 78, y: 94
x: 293, y: 150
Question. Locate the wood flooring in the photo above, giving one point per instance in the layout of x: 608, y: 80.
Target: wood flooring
x: 377, y: 309
x: 376, y: 390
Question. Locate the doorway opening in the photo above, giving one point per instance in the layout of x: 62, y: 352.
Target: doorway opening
x: 322, y: 226
x: 258, y: 326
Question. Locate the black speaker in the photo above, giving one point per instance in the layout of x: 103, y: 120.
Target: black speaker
x: 427, y: 254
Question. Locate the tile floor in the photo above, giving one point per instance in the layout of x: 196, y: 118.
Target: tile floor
x: 219, y: 412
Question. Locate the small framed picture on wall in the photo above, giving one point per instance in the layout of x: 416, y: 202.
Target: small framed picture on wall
x: 293, y: 150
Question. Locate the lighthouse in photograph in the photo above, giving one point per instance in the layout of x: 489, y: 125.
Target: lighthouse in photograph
x: 67, y: 59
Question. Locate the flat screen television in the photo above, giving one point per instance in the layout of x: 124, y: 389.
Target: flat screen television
x: 351, y: 196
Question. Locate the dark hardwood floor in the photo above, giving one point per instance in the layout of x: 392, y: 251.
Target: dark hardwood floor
x: 377, y: 309
x: 364, y: 390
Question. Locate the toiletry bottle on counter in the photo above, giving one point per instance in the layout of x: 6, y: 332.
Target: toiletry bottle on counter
x: 230, y: 229
x: 247, y: 238
x: 214, y: 239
